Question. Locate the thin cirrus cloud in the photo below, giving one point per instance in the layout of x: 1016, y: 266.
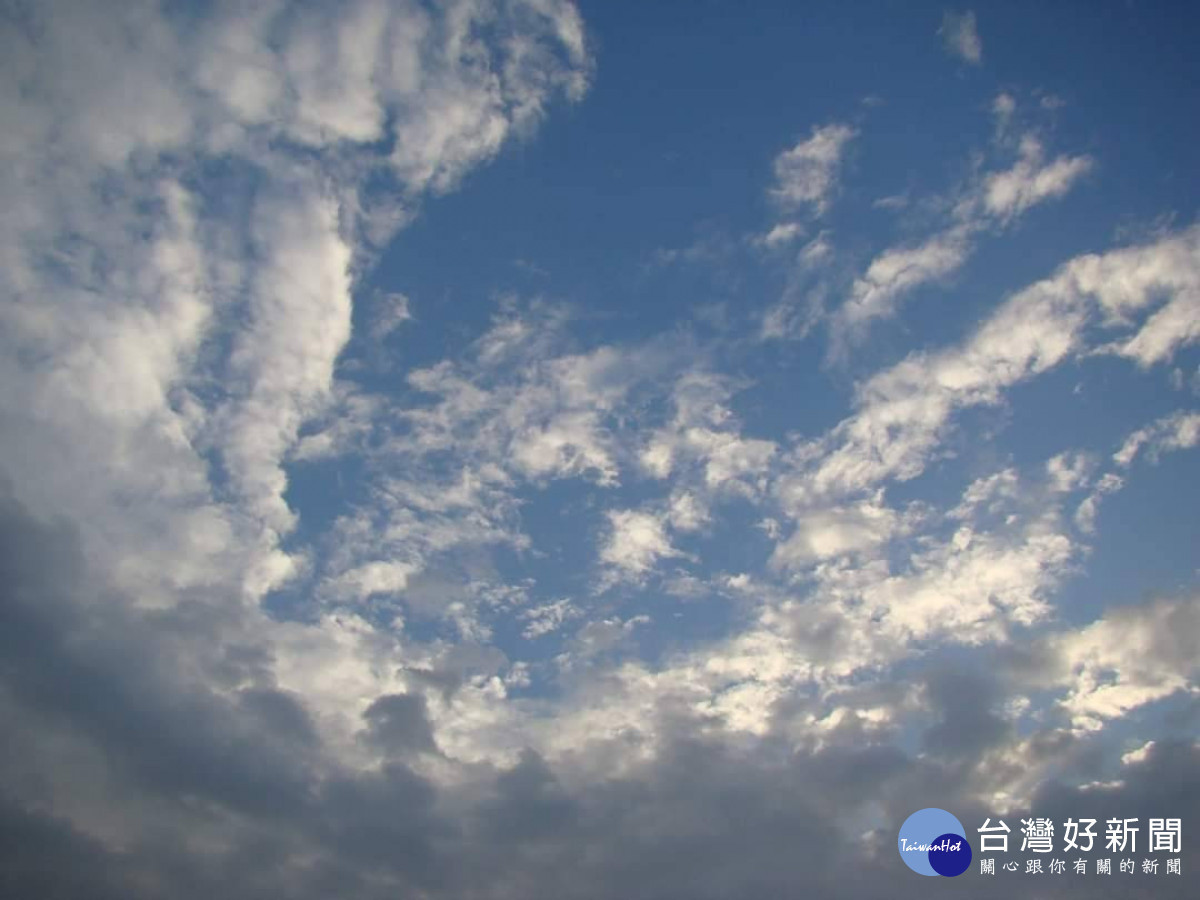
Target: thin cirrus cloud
x: 994, y: 201
x: 316, y: 580
x: 988, y: 203
x: 960, y: 34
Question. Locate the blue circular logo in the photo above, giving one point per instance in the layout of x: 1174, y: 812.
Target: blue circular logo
x: 933, y: 842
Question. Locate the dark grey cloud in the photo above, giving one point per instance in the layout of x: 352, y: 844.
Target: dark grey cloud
x: 399, y: 723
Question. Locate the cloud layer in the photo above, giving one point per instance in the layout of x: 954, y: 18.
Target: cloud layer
x: 545, y: 606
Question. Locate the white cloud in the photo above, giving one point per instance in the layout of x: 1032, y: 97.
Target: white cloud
x: 686, y: 512
x: 1030, y: 181
x: 903, y: 411
x: 636, y: 541
x: 332, y: 61
x: 816, y: 252
x: 1178, y: 431
x: 991, y: 200
x: 364, y: 582
x: 570, y: 444
x: 529, y: 408
x: 1069, y: 471
x: 838, y: 531
x: 704, y: 433
x: 961, y: 37
x: 892, y: 201
x: 1126, y: 659
x: 416, y: 524
x: 806, y: 175
x: 798, y: 311
x: 299, y: 322
x: 548, y: 617
x: 194, y: 312
x: 900, y: 269
x: 988, y: 494
x: 391, y: 311
x: 853, y: 616
x: 169, y: 349
x: 1174, y: 326
x: 971, y: 588
x: 1086, y: 512
x: 1138, y: 755
x: 781, y: 235
x: 600, y: 637
x: 349, y: 418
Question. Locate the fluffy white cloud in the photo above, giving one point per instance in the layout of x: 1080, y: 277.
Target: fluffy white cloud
x: 365, y: 581
x: 636, y: 541
x: 193, y: 317
x: 975, y: 587
x: 527, y: 406
x: 806, y: 175
x: 1174, y: 326
x: 1128, y: 658
x: 837, y: 531
x: 299, y: 320
x: 1069, y: 471
x: 686, y: 512
x: 704, y: 433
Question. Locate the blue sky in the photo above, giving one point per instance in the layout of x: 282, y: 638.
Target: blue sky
x: 527, y: 449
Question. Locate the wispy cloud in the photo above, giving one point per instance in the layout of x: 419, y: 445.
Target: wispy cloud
x: 806, y: 176
x: 1009, y: 193
x: 903, y: 410
x: 961, y: 36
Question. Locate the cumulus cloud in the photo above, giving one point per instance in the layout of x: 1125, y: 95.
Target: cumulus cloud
x: 248, y: 275
x: 374, y: 578
x: 1130, y: 657
x: 636, y: 542
x: 837, y: 531
x: 704, y: 436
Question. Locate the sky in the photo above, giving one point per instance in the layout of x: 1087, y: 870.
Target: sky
x: 494, y: 449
